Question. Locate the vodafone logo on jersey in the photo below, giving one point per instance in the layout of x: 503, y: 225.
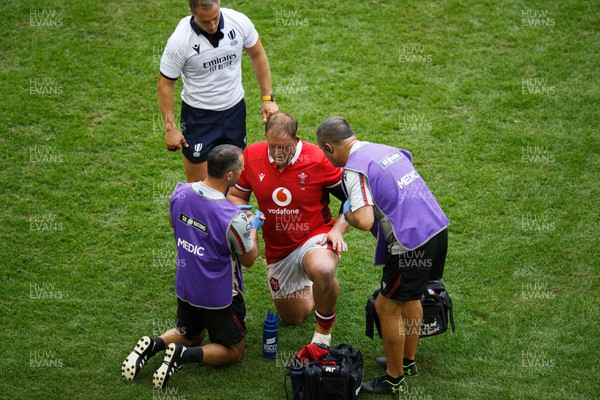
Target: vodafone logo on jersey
x: 282, y: 196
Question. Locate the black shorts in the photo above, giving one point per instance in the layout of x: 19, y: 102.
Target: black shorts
x: 225, y: 326
x: 205, y: 129
x: 405, y: 275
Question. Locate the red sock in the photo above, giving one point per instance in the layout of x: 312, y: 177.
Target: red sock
x: 325, y: 321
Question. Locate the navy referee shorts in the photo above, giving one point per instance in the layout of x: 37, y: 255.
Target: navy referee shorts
x: 205, y: 129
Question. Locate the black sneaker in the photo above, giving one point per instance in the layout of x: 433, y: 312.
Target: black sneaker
x: 171, y: 364
x: 409, y: 370
x: 137, y: 358
x: 382, y: 385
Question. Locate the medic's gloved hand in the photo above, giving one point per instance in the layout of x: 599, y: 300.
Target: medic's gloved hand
x: 258, y: 220
x: 346, y: 207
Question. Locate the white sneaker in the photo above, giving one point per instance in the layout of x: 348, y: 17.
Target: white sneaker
x: 320, y: 338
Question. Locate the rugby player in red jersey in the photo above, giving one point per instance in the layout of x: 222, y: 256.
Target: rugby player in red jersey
x: 292, y: 180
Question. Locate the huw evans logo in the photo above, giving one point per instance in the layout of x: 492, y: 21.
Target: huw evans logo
x: 291, y: 86
x: 167, y: 259
x: 45, y: 223
x: 290, y: 223
x: 537, y: 154
x: 536, y: 19
x: 537, y: 291
x: 44, y: 86
x: 289, y: 18
x: 537, y: 222
x: 414, y: 259
x: 45, y: 291
x: 168, y: 393
x: 414, y: 123
x: 44, y: 154
x: 44, y: 18
x: 536, y: 86
x: 44, y: 359
x: 536, y: 359
x: 413, y: 53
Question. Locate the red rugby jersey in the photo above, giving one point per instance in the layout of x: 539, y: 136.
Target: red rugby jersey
x: 295, y: 201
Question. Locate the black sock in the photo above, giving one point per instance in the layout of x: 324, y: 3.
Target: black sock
x: 406, y: 361
x: 395, y: 381
x: 157, y: 345
x: 192, y: 355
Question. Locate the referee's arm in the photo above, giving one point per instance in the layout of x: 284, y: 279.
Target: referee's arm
x: 262, y: 70
x: 173, y: 137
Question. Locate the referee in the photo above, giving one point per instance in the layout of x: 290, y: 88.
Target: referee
x: 206, y: 51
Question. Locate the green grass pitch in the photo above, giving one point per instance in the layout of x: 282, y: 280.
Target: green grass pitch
x: 497, y: 100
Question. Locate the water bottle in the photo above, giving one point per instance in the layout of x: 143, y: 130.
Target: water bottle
x: 270, y: 335
x: 296, y: 369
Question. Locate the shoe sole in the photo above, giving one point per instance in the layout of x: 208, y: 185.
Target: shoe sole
x: 128, y: 368
x: 161, y: 375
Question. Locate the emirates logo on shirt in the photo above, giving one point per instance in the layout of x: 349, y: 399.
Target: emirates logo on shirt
x: 282, y: 196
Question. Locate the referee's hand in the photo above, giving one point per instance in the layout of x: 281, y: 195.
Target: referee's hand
x: 174, y: 140
x: 268, y: 109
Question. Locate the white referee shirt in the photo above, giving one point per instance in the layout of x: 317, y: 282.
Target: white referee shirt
x: 212, y: 76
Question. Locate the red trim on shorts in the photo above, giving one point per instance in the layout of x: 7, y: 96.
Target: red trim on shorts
x: 237, y: 321
x: 396, y: 284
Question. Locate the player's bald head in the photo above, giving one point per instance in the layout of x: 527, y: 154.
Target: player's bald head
x: 334, y: 130
x: 282, y: 124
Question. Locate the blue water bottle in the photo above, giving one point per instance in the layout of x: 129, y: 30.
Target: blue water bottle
x: 270, y: 335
